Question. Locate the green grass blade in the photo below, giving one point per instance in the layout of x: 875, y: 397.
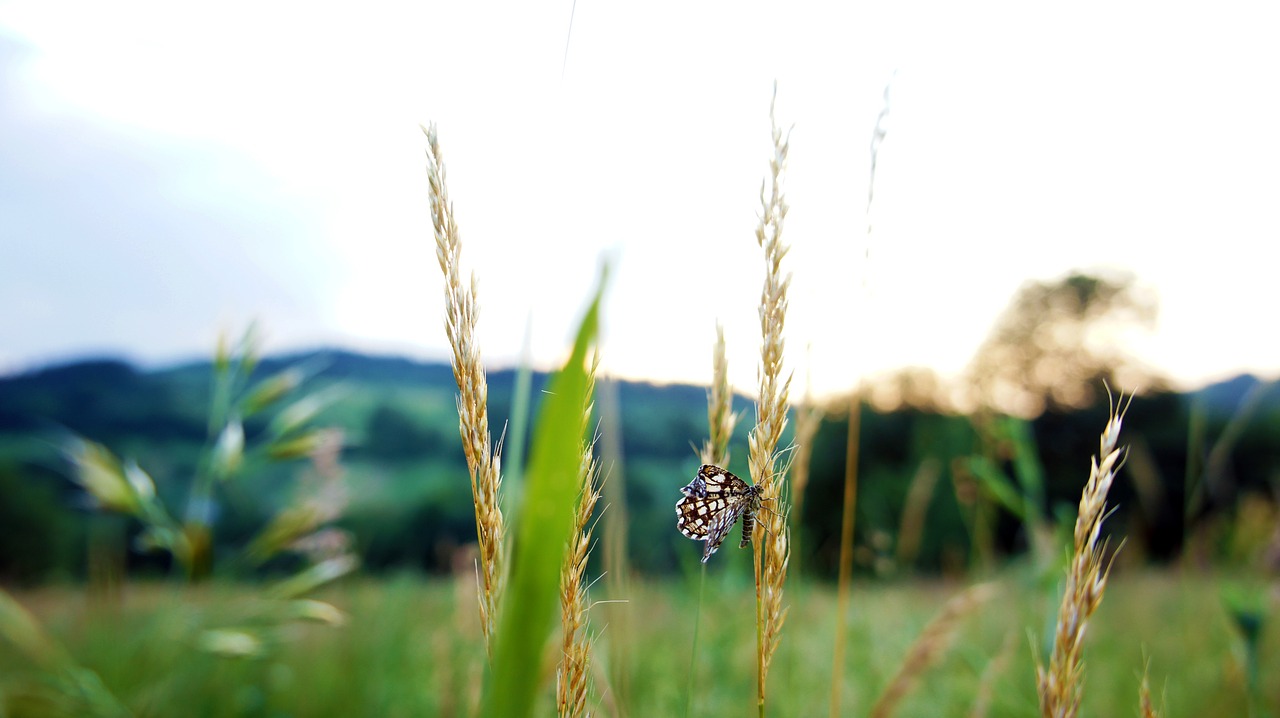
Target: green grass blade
x: 544, y: 526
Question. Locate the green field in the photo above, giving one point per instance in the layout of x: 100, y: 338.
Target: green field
x: 412, y: 647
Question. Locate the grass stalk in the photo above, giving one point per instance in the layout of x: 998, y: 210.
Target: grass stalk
x: 771, y: 553
x: 483, y: 463
x: 617, y: 570
x: 849, y: 507
x: 845, y: 575
x: 1060, y: 684
x: 693, y: 652
x: 715, y: 451
x: 916, y: 511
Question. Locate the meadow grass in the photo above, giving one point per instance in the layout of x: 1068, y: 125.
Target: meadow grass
x: 413, y: 643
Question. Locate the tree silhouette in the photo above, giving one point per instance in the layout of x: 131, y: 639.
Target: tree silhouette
x: 1058, y: 340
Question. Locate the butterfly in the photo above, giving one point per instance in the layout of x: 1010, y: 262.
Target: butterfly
x: 713, y: 502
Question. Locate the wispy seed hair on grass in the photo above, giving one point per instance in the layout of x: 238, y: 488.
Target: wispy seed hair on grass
x: 483, y: 462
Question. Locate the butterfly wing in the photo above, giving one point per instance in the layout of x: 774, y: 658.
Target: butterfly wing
x: 720, y: 525
x: 694, y: 515
x: 711, y: 480
x: 713, y: 502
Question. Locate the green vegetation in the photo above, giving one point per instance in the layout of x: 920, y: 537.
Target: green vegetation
x: 413, y: 648
x: 965, y: 518
x: 408, y: 507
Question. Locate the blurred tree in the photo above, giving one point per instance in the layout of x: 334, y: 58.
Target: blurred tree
x: 911, y: 387
x: 1057, y: 341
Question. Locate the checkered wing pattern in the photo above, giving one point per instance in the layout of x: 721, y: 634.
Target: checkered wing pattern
x: 713, y: 502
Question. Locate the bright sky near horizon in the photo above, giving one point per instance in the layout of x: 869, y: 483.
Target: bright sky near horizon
x: 168, y: 170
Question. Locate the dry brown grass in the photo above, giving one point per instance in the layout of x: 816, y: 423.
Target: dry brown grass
x: 772, y: 552
x: 1060, y: 684
x: 483, y: 463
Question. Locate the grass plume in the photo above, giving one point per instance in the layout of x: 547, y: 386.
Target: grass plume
x: 720, y: 414
x: 1060, y: 684
x: 572, y: 678
x: 771, y: 552
x: 483, y: 462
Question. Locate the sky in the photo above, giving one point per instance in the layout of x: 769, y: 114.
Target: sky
x: 169, y: 171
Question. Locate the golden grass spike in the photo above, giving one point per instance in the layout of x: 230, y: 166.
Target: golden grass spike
x: 720, y: 414
x: 1059, y: 684
x: 772, y: 553
x: 483, y: 463
x: 573, y: 674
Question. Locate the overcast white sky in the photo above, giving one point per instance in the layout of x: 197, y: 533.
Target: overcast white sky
x: 171, y: 169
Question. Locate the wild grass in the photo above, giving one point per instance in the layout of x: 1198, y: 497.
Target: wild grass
x: 483, y: 461
x: 412, y: 648
x: 771, y: 552
x: 1060, y: 684
x: 551, y: 536
x: 573, y: 676
x: 409, y: 637
x: 721, y: 418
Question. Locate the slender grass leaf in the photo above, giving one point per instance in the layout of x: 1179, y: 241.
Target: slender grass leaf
x: 528, y: 609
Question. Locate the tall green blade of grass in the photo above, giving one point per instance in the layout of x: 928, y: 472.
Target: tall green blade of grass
x: 544, y: 525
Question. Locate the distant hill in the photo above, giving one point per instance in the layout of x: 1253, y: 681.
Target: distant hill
x: 1225, y: 397
x: 111, y: 400
x: 407, y: 478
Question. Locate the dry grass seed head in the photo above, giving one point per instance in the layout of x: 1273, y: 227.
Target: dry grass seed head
x: 473, y: 394
x: 1059, y: 684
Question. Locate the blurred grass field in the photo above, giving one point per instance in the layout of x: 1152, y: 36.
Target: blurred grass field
x: 412, y: 648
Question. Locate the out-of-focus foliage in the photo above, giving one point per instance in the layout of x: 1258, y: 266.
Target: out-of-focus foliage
x: 1058, y: 341
x: 413, y: 509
